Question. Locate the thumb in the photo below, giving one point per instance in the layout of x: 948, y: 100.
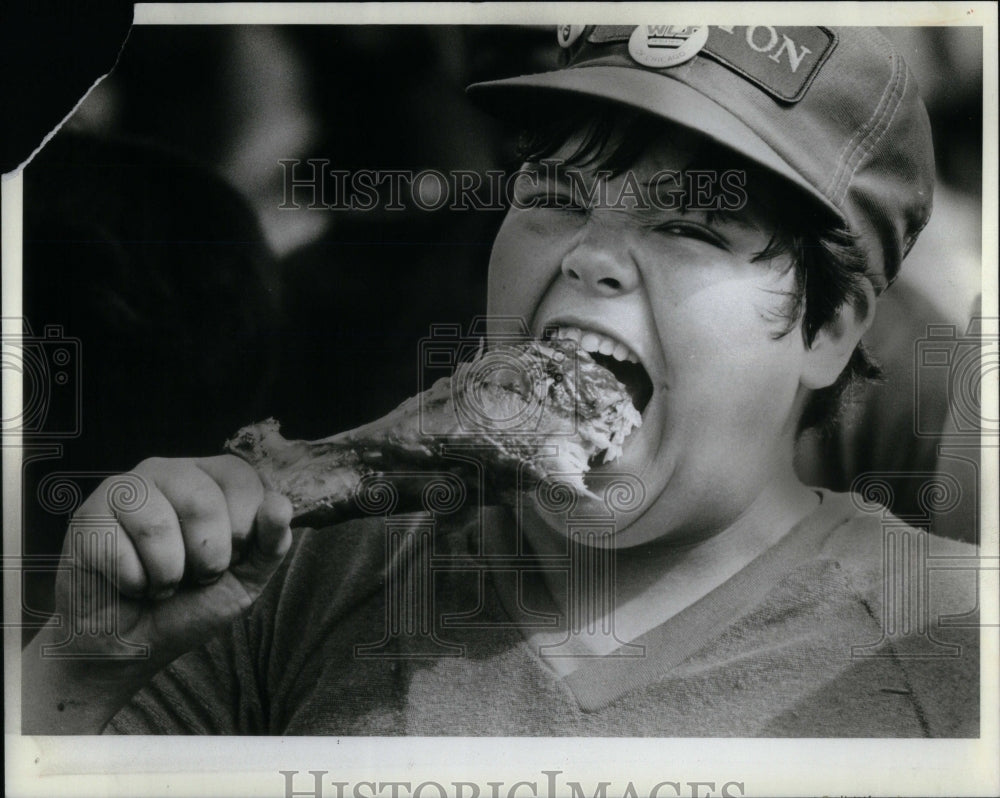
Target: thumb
x: 269, y: 543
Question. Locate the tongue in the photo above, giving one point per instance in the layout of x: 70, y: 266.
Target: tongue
x: 632, y: 375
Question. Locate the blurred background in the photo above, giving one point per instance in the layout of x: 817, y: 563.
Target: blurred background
x: 154, y: 238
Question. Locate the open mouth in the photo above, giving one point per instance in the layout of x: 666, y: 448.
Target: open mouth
x: 615, y: 356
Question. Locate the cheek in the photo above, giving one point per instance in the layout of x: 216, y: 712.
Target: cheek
x: 724, y: 353
x: 525, y: 259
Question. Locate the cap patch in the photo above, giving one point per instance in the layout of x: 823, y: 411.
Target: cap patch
x: 781, y: 60
x: 602, y: 34
x: 661, y: 46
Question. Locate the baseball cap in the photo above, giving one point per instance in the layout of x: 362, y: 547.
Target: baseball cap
x: 835, y: 112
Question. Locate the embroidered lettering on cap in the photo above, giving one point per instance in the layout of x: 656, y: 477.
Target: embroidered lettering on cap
x: 660, y: 46
x: 781, y: 60
x: 567, y: 34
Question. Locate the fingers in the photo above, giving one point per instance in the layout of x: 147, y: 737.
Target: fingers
x: 202, y: 514
x: 195, y: 514
x: 243, y: 493
x: 154, y: 533
x: 272, y: 525
x: 271, y: 542
x: 97, y: 542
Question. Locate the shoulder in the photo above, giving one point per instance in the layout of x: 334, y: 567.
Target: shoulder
x: 922, y: 594
x: 879, y: 550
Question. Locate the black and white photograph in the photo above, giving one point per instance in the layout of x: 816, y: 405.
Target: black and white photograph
x: 443, y: 400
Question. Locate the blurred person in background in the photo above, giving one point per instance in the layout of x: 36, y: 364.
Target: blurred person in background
x: 244, y: 98
x: 887, y: 433
x: 158, y: 267
x: 153, y: 235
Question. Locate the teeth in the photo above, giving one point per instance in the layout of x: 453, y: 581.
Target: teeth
x: 596, y: 342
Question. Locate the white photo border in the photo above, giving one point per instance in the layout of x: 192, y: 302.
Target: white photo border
x: 146, y: 766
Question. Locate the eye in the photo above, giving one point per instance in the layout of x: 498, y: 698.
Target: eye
x: 544, y: 195
x: 692, y: 230
x: 554, y: 199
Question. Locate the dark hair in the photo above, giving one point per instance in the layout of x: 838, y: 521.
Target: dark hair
x: 829, y: 266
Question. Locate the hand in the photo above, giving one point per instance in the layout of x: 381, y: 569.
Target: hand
x: 193, y: 551
x: 198, y: 547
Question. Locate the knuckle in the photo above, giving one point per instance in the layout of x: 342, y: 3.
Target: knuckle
x: 241, y: 472
x: 127, y: 580
x: 153, y: 540
x: 126, y: 567
x: 209, y: 553
x: 202, y: 499
x: 151, y: 464
x: 97, y: 503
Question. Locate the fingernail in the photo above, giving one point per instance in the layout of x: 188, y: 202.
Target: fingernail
x: 164, y: 594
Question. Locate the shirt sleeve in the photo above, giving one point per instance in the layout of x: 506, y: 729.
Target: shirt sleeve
x: 922, y: 592
x: 211, y: 690
x: 219, y: 688
x: 242, y: 681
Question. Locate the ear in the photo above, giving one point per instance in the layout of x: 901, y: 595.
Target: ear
x: 836, y: 341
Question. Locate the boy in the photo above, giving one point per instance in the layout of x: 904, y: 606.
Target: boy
x: 729, y: 204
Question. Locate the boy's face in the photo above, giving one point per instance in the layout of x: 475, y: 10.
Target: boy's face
x: 681, y: 291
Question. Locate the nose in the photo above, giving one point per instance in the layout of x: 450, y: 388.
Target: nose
x: 602, y: 264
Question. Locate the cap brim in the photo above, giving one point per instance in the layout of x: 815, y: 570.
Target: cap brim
x: 656, y: 94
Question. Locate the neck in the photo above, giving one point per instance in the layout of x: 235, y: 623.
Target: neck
x: 656, y: 580
x: 757, y: 526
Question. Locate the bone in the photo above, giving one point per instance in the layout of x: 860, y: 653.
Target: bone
x: 523, y: 412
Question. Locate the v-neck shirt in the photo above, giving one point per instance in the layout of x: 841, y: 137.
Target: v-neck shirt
x: 411, y: 627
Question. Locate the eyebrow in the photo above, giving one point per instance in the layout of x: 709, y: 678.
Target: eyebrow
x: 738, y: 217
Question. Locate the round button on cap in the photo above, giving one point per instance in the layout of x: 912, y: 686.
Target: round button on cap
x: 660, y: 46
